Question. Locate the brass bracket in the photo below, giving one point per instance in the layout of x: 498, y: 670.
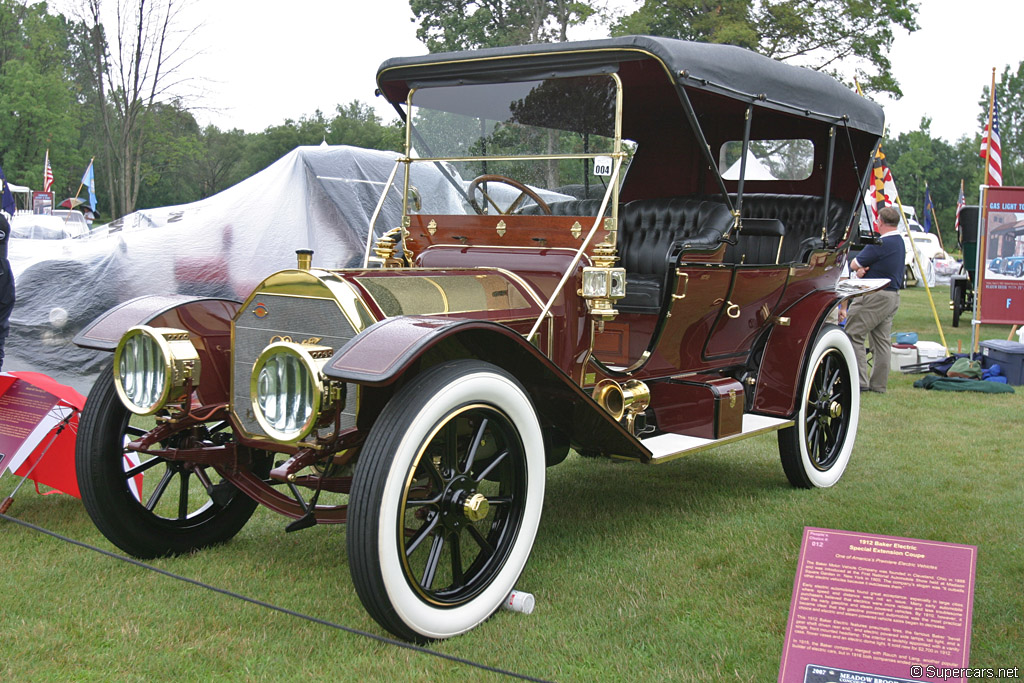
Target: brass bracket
x: 686, y: 283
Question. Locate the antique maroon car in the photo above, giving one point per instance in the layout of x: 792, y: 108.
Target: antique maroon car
x: 645, y: 267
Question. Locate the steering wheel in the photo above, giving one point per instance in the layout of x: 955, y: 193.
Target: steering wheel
x: 524, y: 191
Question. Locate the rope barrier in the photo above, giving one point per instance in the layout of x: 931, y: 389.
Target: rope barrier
x: 283, y: 610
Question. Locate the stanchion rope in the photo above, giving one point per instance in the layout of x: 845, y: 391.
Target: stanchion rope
x: 284, y: 610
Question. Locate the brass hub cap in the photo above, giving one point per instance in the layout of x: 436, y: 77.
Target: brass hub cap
x: 475, y: 507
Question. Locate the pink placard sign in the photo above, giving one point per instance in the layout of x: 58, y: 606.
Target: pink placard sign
x: 878, y: 609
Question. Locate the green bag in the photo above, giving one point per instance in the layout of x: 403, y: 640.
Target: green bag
x: 964, y: 367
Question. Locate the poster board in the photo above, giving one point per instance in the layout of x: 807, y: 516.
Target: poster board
x: 42, y: 202
x: 868, y: 608
x: 1000, y: 288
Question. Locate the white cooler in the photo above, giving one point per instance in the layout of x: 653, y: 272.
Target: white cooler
x: 902, y: 355
x: 929, y: 351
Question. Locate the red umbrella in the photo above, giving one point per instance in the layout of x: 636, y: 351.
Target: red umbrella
x: 71, y: 203
x: 39, y: 417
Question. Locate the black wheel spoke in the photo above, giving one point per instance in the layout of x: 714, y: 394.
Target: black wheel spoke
x: 450, y: 457
x: 183, y: 496
x: 481, y: 541
x: 431, y: 471
x: 418, y: 537
x: 142, y: 467
x: 477, y: 438
x: 457, y: 578
x: 490, y: 467
x: 158, y: 492
x: 433, y: 559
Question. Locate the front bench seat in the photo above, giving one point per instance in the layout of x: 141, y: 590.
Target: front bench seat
x: 652, y: 235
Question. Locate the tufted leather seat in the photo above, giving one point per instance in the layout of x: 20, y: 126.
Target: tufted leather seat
x: 802, y: 217
x: 759, y: 241
x: 652, y: 234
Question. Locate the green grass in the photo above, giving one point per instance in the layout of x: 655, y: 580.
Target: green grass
x: 676, y: 572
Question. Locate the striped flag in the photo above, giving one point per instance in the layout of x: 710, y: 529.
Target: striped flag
x: 47, y: 174
x: 990, y: 149
x: 961, y: 202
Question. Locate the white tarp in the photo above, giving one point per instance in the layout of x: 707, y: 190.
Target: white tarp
x: 318, y: 198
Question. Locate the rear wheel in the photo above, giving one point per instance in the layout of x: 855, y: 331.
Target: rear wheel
x: 446, y: 501
x: 146, y: 505
x: 816, y: 450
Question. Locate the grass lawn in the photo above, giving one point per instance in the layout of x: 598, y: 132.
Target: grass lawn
x: 675, y: 572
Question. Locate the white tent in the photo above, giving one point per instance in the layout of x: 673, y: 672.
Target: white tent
x: 756, y: 170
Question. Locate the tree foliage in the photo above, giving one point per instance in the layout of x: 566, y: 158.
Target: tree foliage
x: 39, y: 108
x: 467, y: 24
x: 821, y: 34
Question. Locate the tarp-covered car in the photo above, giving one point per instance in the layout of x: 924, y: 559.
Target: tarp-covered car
x: 600, y: 286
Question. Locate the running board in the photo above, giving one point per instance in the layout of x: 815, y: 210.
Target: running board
x: 668, y: 447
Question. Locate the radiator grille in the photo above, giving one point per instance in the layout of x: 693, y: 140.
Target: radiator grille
x: 297, y: 319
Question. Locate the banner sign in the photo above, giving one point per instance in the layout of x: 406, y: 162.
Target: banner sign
x: 1000, y: 288
x: 879, y: 609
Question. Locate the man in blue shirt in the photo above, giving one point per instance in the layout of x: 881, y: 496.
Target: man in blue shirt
x: 870, y: 316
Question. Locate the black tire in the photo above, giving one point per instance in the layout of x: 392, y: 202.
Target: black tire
x: 179, y: 514
x: 816, y: 450
x: 422, y: 566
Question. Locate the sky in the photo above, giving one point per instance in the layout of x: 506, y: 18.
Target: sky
x: 259, y: 68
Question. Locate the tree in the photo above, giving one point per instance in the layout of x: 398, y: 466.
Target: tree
x: 467, y: 24
x: 916, y: 157
x: 820, y: 34
x: 38, y: 97
x: 136, y: 70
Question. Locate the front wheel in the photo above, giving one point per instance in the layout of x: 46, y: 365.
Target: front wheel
x: 144, y: 504
x: 816, y: 450
x: 446, y: 501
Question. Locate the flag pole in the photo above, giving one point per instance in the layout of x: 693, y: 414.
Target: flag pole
x: 975, y: 322
x: 935, y: 219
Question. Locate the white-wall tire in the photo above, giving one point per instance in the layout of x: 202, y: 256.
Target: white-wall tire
x: 816, y: 450
x: 409, y: 484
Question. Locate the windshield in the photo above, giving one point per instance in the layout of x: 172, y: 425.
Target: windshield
x: 556, y: 137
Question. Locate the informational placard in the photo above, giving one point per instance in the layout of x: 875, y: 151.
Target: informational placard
x: 877, y: 609
x: 42, y: 202
x: 23, y: 412
x: 1000, y: 290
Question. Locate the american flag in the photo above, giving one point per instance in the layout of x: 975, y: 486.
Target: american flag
x: 960, y: 203
x: 994, y: 167
x: 47, y: 174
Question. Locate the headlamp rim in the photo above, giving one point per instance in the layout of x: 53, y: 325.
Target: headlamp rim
x: 311, y: 366
x: 167, y: 359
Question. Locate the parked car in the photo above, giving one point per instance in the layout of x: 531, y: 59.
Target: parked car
x: 58, y: 225
x: 639, y: 313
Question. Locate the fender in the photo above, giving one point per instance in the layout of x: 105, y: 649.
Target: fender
x: 781, y: 370
x: 387, y: 352
x: 207, y: 320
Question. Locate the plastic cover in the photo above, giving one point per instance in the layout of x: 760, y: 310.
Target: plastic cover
x: 319, y: 198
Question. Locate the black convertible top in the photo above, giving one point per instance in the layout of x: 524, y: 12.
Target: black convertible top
x: 723, y: 69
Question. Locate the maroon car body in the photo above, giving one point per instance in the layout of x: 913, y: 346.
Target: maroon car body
x: 611, y: 288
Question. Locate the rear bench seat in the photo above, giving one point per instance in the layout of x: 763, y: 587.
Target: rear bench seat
x: 802, y: 218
